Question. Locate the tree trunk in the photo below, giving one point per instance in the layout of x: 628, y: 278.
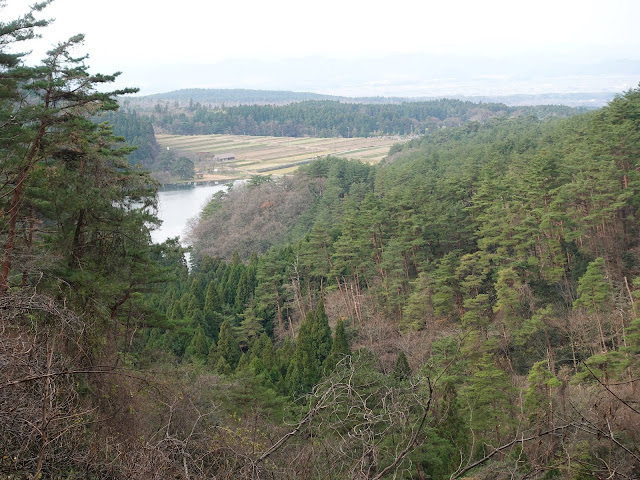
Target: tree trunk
x: 77, y: 248
x: 279, y: 307
x: 14, y: 207
x: 604, y: 345
x: 11, y: 231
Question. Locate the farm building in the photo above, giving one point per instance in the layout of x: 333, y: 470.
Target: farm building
x: 224, y: 157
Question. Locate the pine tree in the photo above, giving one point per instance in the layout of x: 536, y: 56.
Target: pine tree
x: 242, y: 292
x: 316, y: 250
x: 351, y: 259
x: 339, y: 348
x: 199, y: 346
x: 62, y: 94
x: 211, y: 310
x: 312, y: 348
x: 227, y: 347
x: 488, y: 395
x: 419, y: 310
x: 272, y: 273
x: 401, y: 370
x: 212, y: 356
x: 262, y: 348
x: 251, y: 326
x: 447, y: 297
x: 538, y: 398
x: 321, y: 334
x: 594, y: 294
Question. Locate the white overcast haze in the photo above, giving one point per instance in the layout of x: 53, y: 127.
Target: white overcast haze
x: 354, y: 47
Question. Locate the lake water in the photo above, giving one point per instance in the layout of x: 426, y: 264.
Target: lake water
x: 177, y: 206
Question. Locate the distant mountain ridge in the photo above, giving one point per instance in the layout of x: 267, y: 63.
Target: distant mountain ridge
x: 239, y: 96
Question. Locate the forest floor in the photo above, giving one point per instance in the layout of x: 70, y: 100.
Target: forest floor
x: 269, y: 155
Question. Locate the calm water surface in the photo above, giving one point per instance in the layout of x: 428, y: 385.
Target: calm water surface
x: 176, y: 207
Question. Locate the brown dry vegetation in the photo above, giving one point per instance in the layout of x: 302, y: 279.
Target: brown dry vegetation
x: 249, y: 222
x: 269, y: 155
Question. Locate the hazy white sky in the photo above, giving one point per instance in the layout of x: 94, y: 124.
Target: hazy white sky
x: 145, y: 35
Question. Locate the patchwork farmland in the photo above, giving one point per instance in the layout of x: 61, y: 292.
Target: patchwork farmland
x: 268, y: 155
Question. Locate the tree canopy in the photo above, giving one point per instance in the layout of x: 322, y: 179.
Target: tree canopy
x: 465, y: 308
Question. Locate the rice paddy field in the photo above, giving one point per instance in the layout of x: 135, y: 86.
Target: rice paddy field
x: 268, y: 155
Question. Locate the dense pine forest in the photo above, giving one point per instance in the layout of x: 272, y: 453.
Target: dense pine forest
x: 331, y: 118
x: 466, y: 309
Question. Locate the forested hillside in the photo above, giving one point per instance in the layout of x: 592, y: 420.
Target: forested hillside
x: 138, y: 132
x: 467, y: 309
x: 500, y: 259
x: 328, y: 118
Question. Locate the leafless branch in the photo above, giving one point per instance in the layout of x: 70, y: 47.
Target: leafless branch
x: 609, y: 390
x: 411, y: 442
x: 515, y: 441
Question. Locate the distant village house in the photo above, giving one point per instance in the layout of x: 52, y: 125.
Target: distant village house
x: 224, y: 157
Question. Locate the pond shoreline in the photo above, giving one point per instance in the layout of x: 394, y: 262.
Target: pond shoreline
x: 196, y: 183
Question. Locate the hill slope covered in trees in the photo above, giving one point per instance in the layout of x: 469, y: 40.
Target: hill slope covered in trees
x: 468, y: 308
x: 335, y: 119
x: 502, y: 261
